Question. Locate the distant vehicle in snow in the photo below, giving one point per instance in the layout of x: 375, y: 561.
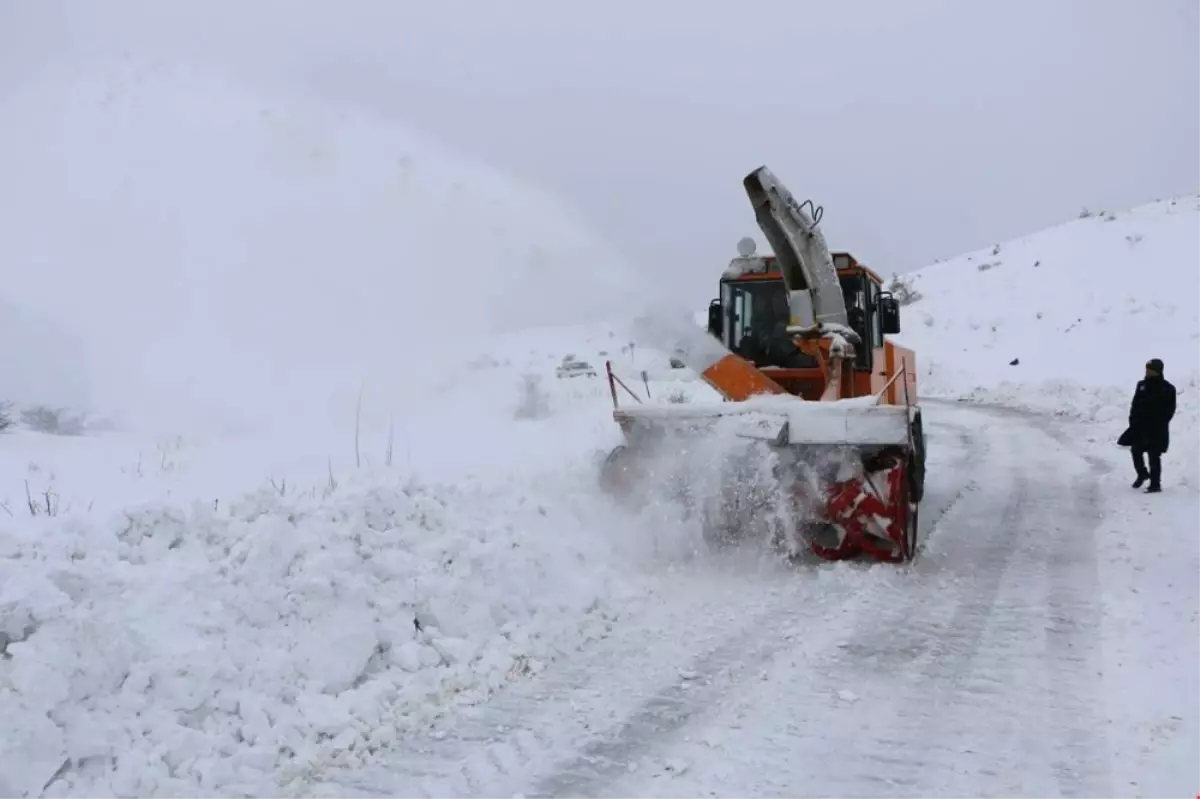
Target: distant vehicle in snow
x: 677, y: 362
x: 570, y: 367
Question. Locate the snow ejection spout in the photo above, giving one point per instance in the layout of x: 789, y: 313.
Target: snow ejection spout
x: 814, y: 292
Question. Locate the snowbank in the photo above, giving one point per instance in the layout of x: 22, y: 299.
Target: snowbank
x: 263, y: 637
x: 216, y: 649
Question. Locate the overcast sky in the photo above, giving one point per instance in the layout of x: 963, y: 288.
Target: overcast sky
x: 924, y: 127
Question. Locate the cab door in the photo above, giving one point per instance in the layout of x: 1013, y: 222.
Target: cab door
x: 859, y: 313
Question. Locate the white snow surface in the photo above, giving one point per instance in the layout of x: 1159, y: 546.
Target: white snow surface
x: 1081, y: 307
x: 441, y: 603
x: 212, y: 613
x: 219, y: 590
x: 176, y: 650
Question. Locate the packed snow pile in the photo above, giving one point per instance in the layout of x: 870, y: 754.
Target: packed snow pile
x: 174, y: 651
x: 257, y: 639
x: 1064, y: 320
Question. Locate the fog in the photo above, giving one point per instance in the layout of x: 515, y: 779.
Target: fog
x: 227, y: 256
x: 925, y: 128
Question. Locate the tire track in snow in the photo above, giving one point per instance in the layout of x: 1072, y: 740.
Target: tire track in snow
x: 675, y: 708
x: 1070, y: 510
x: 966, y: 684
x: 577, y: 726
x: 1071, y: 640
x: 501, y: 746
x: 925, y: 633
x: 982, y: 705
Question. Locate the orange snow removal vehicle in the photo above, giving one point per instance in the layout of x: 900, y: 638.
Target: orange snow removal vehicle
x: 797, y: 350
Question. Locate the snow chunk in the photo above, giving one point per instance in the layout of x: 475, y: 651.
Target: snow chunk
x: 31, y: 748
x: 279, y: 636
x: 336, y: 652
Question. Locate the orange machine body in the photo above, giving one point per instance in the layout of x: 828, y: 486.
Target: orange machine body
x: 878, y: 359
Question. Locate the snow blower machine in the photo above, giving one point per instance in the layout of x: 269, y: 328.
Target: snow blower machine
x: 797, y: 349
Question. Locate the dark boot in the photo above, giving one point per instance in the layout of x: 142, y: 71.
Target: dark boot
x: 1155, y: 486
x: 1139, y: 467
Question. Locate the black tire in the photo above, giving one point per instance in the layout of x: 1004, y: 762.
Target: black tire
x: 916, y: 464
x: 911, y: 530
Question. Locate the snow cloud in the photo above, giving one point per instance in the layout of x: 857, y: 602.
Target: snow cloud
x: 238, y: 253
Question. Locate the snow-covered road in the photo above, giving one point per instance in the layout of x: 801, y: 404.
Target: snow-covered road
x: 976, y: 670
x: 381, y: 564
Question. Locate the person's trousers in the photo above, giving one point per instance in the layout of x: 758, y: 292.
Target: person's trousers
x: 1139, y: 463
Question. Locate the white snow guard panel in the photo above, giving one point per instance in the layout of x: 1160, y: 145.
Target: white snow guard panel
x: 854, y: 421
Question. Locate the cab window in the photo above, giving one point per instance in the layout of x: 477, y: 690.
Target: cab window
x: 859, y: 311
x: 874, y: 315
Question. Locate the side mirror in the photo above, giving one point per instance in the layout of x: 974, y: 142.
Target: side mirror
x: 716, y: 321
x: 889, y: 314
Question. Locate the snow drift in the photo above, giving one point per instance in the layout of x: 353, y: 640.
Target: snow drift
x: 176, y: 650
x: 260, y: 638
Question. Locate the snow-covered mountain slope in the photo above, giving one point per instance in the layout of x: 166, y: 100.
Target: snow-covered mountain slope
x: 247, y: 253
x: 1065, y: 319
x: 244, y: 562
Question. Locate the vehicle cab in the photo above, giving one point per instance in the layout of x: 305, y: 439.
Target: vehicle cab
x: 752, y: 310
x: 751, y: 316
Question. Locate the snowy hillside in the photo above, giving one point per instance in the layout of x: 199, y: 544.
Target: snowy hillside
x: 227, y: 252
x: 1063, y: 320
x: 270, y: 577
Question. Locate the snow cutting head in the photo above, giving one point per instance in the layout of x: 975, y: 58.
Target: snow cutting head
x: 833, y: 477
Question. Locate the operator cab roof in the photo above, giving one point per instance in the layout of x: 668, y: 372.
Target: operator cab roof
x: 752, y: 265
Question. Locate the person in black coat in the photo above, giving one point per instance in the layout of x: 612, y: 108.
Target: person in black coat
x: 1150, y: 416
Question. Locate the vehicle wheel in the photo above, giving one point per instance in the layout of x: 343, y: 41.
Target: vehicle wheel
x: 911, y: 528
x: 916, y: 464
